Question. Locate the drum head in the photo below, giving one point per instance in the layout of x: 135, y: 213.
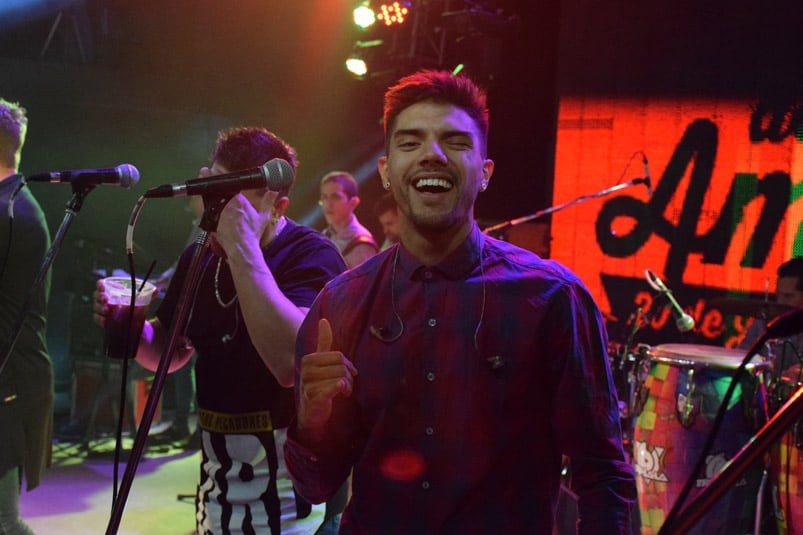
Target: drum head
x: 703, y: 356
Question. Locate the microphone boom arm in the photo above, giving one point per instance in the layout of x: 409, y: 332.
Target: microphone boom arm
x: 551, y: 209
x: 80, y: 191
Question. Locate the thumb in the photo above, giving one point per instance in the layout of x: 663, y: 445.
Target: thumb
x: 324, y: 335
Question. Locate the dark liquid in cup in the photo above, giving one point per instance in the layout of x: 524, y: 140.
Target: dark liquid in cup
x: 122, y: 336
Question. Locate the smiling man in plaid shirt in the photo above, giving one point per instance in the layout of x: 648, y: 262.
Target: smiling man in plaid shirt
x: 452, y: 371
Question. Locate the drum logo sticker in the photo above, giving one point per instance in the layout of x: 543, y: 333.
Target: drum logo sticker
x: 714, y: 464
x: 650, y: 461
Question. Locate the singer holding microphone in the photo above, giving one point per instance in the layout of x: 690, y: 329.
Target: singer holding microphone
x: 26, y: 377
x: 258, y: 280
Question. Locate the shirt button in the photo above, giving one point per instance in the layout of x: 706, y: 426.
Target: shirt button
x: 432, y: 322
x: 429, y: 431
x: 430, y: 376
x: 425, y: 485
x: 428, y: 275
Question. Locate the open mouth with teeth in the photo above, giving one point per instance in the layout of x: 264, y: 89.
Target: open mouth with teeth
x: 432, y: 185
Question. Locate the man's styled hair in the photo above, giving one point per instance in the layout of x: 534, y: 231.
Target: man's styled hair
x: 793, y: 268
x: 243, y: 147
x: 441, y: 87
x: 345, y: 180
x: 13, y: 126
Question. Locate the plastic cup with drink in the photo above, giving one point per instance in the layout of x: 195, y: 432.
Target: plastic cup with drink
x: 123, y: 329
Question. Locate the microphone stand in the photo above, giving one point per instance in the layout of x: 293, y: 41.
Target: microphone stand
x: 583, y: 198
x: 213, y: 206
x: 80, y: 191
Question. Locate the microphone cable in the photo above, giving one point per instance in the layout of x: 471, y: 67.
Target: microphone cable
x: 11, y: 199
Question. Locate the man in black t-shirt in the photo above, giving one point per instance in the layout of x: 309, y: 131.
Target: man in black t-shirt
x: 257, y: 281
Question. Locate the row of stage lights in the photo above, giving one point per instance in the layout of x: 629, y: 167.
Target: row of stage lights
x: 366, y: 16
x: 404, y: 35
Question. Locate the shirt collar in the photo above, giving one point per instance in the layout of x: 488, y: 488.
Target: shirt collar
x: 348, y: 231
x: 10, y: 181
x: 458, y: 264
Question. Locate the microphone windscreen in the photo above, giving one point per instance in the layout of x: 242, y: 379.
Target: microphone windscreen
x: 128, y: 174
x: 279, y: 174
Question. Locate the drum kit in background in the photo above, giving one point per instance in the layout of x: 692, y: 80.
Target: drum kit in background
x: 670, y: 396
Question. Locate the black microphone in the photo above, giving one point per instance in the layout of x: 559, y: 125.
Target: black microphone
x: 683, y: 321
x: 275, y: 175
x: 125, y: 176
x: 647, y: 181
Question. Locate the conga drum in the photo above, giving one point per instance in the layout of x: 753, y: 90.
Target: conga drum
x: 677, y: 403
x: 786, y: 468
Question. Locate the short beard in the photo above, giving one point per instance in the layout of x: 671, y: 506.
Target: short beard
x: 428, y: 226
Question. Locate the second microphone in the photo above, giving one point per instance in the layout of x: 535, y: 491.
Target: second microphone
x: 276, y: 175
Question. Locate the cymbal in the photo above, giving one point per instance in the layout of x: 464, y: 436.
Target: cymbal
x: 748, y: 307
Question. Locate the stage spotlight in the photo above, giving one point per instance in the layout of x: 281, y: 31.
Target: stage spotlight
x: 364, y: 15
x: 358, y: 62
x: 393, y: 13
x: 357, y: 66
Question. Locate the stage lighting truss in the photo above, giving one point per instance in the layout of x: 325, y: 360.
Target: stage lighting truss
x: 398, y: 37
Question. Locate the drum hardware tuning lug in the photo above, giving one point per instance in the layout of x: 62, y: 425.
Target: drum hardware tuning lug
x: 639, y: 399
x: 685, y: 402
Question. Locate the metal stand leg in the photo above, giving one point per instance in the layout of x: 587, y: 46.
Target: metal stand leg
x: 52, y: 33
x: 103, y: 392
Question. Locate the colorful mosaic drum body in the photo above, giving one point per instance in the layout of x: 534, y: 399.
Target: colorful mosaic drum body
x: 676, y: 406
